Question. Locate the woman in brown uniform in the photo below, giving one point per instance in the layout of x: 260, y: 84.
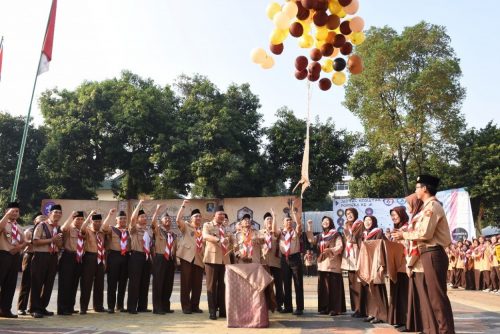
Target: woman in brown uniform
x: 331, y: 297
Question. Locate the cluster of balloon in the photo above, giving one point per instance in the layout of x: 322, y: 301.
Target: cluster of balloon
x: 329, y: 28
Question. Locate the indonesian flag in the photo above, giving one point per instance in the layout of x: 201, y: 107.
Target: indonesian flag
x: 48, y: 41
x: 1, y: 57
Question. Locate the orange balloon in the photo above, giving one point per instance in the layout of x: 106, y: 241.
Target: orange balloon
x: 355, y: 64
x: 352, y: 8
x: 357, y: 24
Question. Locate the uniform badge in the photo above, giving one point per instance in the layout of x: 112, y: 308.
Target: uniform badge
x: 428, y: 213
x: 8, y: 235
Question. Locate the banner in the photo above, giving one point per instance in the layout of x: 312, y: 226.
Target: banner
x: 456, y: 204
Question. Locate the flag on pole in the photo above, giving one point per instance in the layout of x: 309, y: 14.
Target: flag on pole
x: 304, y: 175
x: 48, y: 40
x: 1, y: 57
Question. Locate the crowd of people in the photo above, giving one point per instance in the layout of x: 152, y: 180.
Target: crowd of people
x: 84, y: 251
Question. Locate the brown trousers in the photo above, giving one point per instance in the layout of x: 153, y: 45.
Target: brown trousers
x: 458, y: 278
x: 216, y: 288
x: 92, y: 275
x: 420, y: 312
x: 191, y: 283
x: 435, y: 264
x: 356, y: 294
x: 117, y: 269
x: 398, y: 304
x: 24, y: 292
x: 43, y: 274
x: 163, y: 282
x: 331, y: 295
x: 278, y: 286
x: 139, y: 275
x: 9, y: 267
x: 70, y: 272
x: 495, y: 278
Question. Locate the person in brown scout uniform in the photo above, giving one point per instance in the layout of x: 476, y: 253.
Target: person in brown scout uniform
x: 217, y: 249
x: 271, y: 256
x: 353, y: 231
x: 47, y: 241
x: 163, y: 264
x: 291, y: 264
x: 247, y: 243
x: 94, y: 263
x: 24, y: 292
x: 118, y: 254
x: 331, y: 297
x: 70, y: 263
x: 139, y: 264
x: 11, y: 243
x: 190, y: 251
x: 432, y: 236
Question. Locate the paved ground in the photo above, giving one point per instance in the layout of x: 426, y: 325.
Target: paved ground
x: 475, y: 312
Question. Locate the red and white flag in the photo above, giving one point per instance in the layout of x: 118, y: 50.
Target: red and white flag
x: 48, y: 41
x: 1, y: 57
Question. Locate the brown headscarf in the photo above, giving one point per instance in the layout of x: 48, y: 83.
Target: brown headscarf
x: 414, y: 203
x: 403, y: 216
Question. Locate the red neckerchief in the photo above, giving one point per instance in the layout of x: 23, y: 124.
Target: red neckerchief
x: 287, y: 238
x: 247, y: 244
x: 53, y: 247
x: 199, y: 239
x: 349, y: 245
x: 325, y: 239
x: 100, y: 249
x: 222, y: 237
x: 169, y: 238
x: 373, y: 232
x: 16, y: 235
x: 79, y: 247
x: 146, y: 244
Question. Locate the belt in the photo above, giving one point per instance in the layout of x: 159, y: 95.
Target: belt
x: 426, y: 249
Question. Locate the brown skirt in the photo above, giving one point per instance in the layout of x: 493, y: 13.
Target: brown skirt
x: 376, y: 301
x: 398, y: 300
x: 356, y: 294
x: 331, y: 295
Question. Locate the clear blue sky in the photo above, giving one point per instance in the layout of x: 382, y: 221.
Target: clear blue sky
x: 161, y: 39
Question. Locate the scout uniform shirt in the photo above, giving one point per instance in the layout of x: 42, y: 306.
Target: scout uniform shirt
x: 28, y: 236
x: 140, y: 240
x: 191, y: 246
x: 216, y: 253
x: 330, y: 250
x: 432, y: 227
x: 10, y: 236
x: 289, y: 243
x: 94, y: 243
x: 73, y: 241
x: 248, y: 245
x: 165, y: 242
x: 117, y: 239
x: 45, y: 230
x: 352, y: 235
x: 270, y: 249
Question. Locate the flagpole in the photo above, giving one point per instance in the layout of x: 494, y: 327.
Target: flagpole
x: 13, y: 195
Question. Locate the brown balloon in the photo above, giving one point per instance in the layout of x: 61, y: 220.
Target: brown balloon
x: 301, y: 63
x: 320, y: 18
x: 327, y: 49
x: 301, y: 75
x: 325, y: 84
x: 315, y: 54
x: 355, y: 64
x: 315, y: 67
x: 344, y: 3
x: 339, y: 40
x: 309, y: 4
x: 321, y: 5
x: 346, y: 49
x: 339, y: 64
x: 277, y: 49
x: 303, y: 13
x: 333, y: 22
x: 296, y: 29
x: 345, y: 28
x: 313, y: 76
x: 330, y: 37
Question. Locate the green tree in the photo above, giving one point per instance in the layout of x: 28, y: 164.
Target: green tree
x: 409, y: 95
x: 221, y: 138
x: 329, y: 154
x: 31, y: 183
x: 479, y: 171
x: 101, y: 128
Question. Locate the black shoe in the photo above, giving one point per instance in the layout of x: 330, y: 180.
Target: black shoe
x: 186, y: 311
x: 64, y: 313
x: 8, y: 315
x: 83, y: 312
x: 74, y: 311
x: 285, y: 311
x: 36, y: 315
x: 123, y: 310
x: 143, y: 310
x: 279, y: 309
x: 369, y: 319
x: 376, y: 321
x: 21, y: 312
x: 132, y: 312
x: 48, y: 313
x: 212, y: 316
x: 169, y: 311
x: 111, y: 311
x: 298, y: 312
x: 334, y: 314
x: 323, y: 312
x: 197, y: 310
x: 403, y: 329
x: 159, y: 312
